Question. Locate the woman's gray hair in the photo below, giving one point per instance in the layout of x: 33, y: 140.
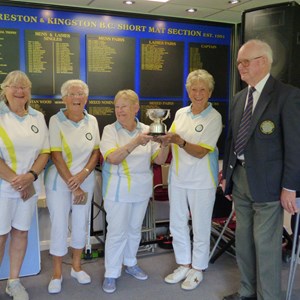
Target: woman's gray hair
x: 15, y: 78
x: 130, y: 95
x: 73, y: 83
x: 200, y: 75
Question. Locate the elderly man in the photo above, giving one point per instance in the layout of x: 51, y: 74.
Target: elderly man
x: 261, y: 170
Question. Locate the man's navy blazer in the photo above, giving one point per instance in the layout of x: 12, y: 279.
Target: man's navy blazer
x: 272, y: 153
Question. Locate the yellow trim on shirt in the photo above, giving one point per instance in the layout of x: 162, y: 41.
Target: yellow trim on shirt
x: 56, y: 149
x: 127, y: 173
x: 109, y: 152
x: 175, y: 148
x: 154, y: 155
x: 67, y: 150
x: 45, y: 151
x: 124, y: 165
x: 210, y: 148
x: 10, y: 148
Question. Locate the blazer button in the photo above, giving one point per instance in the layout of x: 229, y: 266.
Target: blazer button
x: 231, y: 167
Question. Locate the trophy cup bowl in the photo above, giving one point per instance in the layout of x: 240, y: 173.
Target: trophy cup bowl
x: 158, y: 115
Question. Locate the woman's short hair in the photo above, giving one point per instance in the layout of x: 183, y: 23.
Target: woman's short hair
x: 130, y: 95
x: 73, y: 83
x: 16, y: 77
x: 200, y: 75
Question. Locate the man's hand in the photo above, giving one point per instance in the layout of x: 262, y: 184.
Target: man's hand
x: 288, y: 201
x: 223, y: 184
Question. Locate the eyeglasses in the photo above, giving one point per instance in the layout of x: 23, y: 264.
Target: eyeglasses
x: 16, y: 88
x: 74, y: 95
x: 246, y: 62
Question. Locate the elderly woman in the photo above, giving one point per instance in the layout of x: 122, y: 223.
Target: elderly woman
x: 193, y: 179
x: 70, y: 180
x: 24, y: 152
x: 128, y: 152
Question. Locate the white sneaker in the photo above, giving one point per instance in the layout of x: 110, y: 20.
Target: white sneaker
x: 81, y: 276
x: 54, y: 286
x: 193, y: 279
x: 177, y: 275
x: 15, y: 289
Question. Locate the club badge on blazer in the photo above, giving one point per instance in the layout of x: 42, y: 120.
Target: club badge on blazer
x: 267, y: 127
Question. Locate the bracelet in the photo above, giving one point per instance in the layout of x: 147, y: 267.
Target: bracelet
x: 35, y: 175
x: 183, y: 144
x: 87, y: 170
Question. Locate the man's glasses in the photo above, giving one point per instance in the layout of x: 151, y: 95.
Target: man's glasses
x: 246, y: 62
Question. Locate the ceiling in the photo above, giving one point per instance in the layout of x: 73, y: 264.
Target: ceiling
x: 208, y: 10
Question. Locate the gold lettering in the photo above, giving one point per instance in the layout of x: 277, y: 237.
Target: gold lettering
x: 71, y: 22
x: 18, y: 18
x: 132, y: 27
x: 104, y: 25
x: 209, y: 46
x: 157, y: 29
x: 184, y: 32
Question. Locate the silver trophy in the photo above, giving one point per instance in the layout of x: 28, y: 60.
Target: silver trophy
x: 158, y: 115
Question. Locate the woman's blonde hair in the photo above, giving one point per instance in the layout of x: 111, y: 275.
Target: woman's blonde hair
x: 129, y: 95
x: 200, y: 75
x: 14, y: 78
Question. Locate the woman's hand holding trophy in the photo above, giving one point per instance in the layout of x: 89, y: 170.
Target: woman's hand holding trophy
x: 158, y: 129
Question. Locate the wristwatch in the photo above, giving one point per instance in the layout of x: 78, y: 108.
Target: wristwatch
x: 35, y: 175
x: 183, y: 144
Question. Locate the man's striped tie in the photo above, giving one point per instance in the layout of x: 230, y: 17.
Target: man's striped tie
x: 245, y: 124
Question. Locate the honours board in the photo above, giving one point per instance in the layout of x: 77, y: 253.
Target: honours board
x: 110, y: 52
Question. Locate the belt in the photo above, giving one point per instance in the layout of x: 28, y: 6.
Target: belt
x: 241, y: 162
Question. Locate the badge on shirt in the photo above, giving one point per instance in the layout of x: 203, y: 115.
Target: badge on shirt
x: 267, y: 127
x: 89, y: 136
x: 199, y: 128
x: 34, y: 129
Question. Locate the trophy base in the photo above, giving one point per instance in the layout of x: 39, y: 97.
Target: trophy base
x: 157, y: 133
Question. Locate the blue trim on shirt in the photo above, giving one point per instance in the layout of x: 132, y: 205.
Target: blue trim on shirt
x: 62, y: 117
x: 118, y: 127
x: 4, y: 109
x: 203, y: 113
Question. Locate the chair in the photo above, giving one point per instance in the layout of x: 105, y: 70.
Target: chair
x: 158, y: 204
x: 160, y: 196
x: 295, y: 255
x: 223, y: 225
x: 223, y: 228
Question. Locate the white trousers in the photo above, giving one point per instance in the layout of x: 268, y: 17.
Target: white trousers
x: 197, y: 205
x: 123, y: 234
x: 60, y: 203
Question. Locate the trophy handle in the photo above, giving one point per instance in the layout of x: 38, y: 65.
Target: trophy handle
x: 167, y: 115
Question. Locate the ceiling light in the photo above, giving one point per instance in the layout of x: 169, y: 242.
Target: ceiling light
x: 191, y: 10
x: 234, y: 1
x: 128, y: 2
